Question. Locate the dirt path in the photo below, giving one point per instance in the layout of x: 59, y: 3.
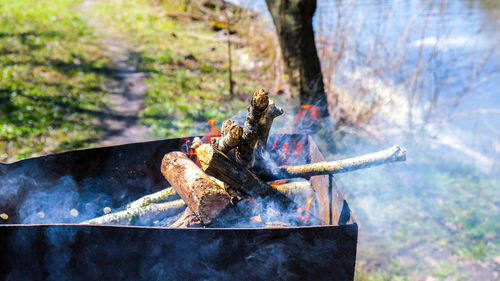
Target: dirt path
x: 126, y: 89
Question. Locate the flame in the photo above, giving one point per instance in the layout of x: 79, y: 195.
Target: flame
x: 299, y: 146
x: 285, y: 149
x: 275, y: 143
x: 305, y: 209
x: 256, y: 218
x: 213, y: 130
x: 307, y: 111
x: 191, y: 153
x: 275, y: 184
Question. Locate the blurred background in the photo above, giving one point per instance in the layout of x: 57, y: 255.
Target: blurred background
x: 422, y: 74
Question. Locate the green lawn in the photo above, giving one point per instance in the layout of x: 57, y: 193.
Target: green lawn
x: 427, y: 217
x: 186, y: 64
x: 54, y: 70
x: 51, y: 79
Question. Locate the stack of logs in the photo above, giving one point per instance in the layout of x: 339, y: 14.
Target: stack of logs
x: 226, y: 175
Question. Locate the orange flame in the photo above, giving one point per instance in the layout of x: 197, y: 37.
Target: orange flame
x: 213, y: 131
x: 280, y: 182
x: 307, y: 111
x: 285, y: 149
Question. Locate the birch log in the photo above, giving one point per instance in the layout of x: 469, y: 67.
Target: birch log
x: 203, y: 196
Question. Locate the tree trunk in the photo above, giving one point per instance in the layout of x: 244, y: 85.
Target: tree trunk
x: 293, y: 22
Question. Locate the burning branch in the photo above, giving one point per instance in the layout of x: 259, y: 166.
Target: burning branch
x: 147, y: 213
x: 159, y: 196
x: 230, y: 136
x: 273, y: 111
x: 392, y: 154
x: 218, y: 165
x: 254, y: 127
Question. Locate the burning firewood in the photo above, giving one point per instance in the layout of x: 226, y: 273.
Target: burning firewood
x: 254, y: 127
x: 159, y: 196
x: 230, y: 136
x: 218, y: 165
x: 148, y: 213
x: 202, y: 195
x: 273, y: 111
x: 392, y: 154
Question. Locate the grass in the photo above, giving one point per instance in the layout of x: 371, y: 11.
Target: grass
x: 427, y: 217
x: 51, y: 79
x: 53, y: 87
x: 186, y: 64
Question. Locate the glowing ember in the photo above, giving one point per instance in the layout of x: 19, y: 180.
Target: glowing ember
x: 285, y: 149
x: 299, y: 147
x: 305, y: 209
x: 256, y: 219
x: 277, y: 183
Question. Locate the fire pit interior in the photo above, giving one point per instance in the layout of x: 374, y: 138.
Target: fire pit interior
x: 46, y: 197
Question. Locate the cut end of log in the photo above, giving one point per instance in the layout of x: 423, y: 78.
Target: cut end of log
x: 399, y: 153
x: 202, y: 195
x: 212, y: 203
x: 235, y: 131
x: 260, y: 100
x: 205, y: 154
x: 225, y: 126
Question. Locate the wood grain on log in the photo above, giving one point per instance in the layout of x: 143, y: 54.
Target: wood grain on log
x: 253, y: 128
x: 204, y: 197
x: 148, y: 213
x: 392, y: 154
x: 230, y: 137
x: 159, y: 196
x: 272, y: 112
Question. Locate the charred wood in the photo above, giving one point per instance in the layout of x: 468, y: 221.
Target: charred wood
x: 218, y: 165
x: 253, y: 128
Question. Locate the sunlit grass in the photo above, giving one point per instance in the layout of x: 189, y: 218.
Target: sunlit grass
x: 186, y: 65
x: 50, y: 81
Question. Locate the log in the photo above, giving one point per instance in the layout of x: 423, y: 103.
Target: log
x: 187, y: 219
x: 204, y: 197
x: 132, y: 215
x: 302, y: 188
x: 159, y: 196
x: 253, y: 128
x: 218, y: 165
x: 230, y: 137
x: 272, y: 112
x: 392, y: 154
